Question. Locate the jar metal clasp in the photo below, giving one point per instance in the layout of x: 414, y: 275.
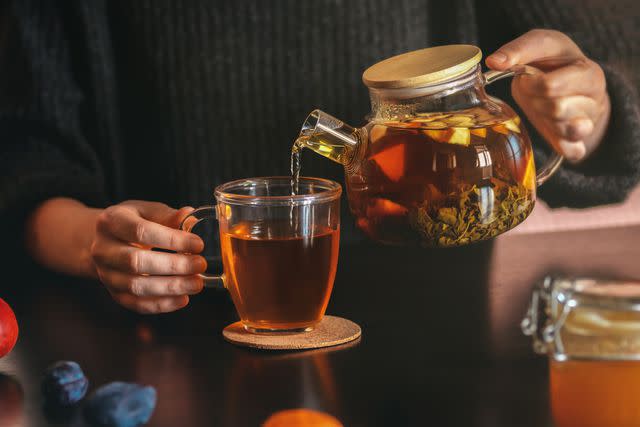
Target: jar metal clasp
x: 546, y: 315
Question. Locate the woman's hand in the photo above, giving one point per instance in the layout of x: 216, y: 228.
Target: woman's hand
x: 568, y: 103
x: 114, y: 245
x: 138, y: 278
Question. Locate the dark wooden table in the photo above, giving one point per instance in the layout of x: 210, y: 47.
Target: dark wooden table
x: 441, y: 344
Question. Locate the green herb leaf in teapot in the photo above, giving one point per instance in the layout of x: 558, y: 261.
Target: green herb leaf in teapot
x: 471, y: 214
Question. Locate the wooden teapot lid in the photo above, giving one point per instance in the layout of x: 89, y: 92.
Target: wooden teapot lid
x: 422, y: 67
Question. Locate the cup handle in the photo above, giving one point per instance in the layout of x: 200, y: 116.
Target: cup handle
x: 555, y: 160
x: 200, y: 214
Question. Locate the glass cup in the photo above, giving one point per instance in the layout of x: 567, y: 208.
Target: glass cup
x: 279, y: 250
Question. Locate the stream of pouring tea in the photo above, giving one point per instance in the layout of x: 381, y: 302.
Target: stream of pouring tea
x: 295, y: 166
x: 296, y: 154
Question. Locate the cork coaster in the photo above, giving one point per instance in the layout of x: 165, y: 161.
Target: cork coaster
x: 329, y: 332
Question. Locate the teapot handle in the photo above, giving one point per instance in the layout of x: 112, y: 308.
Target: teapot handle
x: 196, y: 216
x: 555, y: 160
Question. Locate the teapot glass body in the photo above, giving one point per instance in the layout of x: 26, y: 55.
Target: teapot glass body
x: 439, y: 165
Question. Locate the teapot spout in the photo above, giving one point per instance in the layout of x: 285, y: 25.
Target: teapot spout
x: 329, y: 137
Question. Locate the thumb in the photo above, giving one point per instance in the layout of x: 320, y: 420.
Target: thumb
x: 533, y: 47
x: 178, y: 216
x: 159, y: 212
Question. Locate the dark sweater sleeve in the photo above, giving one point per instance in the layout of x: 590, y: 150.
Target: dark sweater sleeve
x: 44, y: 153
x: 614, y: 168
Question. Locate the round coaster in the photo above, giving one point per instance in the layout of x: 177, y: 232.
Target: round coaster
x: 329, y: 332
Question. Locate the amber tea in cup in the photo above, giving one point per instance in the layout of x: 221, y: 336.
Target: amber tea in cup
x: 279, y: 250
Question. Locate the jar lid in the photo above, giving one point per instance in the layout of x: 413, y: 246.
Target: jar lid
x: 585, y: 318
x: 422, y: 67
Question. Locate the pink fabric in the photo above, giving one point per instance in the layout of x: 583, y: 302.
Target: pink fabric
x: 543, y: 219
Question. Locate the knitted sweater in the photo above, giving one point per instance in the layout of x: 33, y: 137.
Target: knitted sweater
x: 164, y: 99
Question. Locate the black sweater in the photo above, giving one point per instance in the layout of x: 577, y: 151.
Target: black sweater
x: 164, y: 99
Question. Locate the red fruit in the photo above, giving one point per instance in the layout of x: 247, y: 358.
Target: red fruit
x: 8, y: 328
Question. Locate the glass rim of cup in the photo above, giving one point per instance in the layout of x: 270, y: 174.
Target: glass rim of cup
x: 322, y: 190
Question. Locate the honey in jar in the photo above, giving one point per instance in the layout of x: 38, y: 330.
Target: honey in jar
x: 591, y: 331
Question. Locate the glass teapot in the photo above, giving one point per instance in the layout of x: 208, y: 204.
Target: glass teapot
x: 440, y: 162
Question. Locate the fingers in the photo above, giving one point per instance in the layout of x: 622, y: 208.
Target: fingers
x: 575, y: 129
x: 159, y: 212
x: 565, y: 108
x: 561, y: 108
x: 138, y: 278
x: 533, y: 46
x: 126, y: 223
x: 150, y: 286
x: 564, y: 136
x: 581, y: 77
x: 151, y: 305
x: 572, y: 150
x: 130, y: 259
x: 567, y: 101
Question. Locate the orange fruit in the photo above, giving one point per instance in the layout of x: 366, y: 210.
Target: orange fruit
x: 301, y: 418
x: 384, y: 207
x: 391, y: 162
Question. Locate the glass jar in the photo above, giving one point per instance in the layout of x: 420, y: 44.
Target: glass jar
x: 590, y: 329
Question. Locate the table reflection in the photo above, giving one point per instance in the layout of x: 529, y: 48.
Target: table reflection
x: 440, y: 330
x: 304, y: 380
x: 244, y: 392
x: 11, y: 402
x: 170, y: 371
